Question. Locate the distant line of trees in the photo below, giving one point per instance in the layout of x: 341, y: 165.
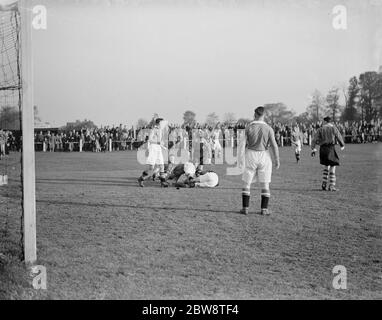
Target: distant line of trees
x: 10, y: 117
x: 362, y: 102
x: 364, y: 97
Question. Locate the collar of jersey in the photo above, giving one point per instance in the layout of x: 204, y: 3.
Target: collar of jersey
x: 257, y: 121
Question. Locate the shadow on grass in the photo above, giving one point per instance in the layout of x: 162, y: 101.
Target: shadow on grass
x: 91, y: 182
x: 132, y: 182
x: 126, y: 206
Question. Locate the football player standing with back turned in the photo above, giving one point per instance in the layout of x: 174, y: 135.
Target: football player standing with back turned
x: 326, y: 137
x: 259, y: 137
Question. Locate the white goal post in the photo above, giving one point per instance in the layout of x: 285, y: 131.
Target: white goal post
x: 28, y: 165
x: 25, y: 72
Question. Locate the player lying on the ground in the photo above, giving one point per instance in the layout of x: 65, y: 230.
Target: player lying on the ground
x: 204, y: 179
x: 184, y: 181
x: 326, y: 137
x: 180, y: 173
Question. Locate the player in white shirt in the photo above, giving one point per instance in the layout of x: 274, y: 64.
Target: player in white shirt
x: 296, y: 142
x: 156, y: 145
x: 216, y: 142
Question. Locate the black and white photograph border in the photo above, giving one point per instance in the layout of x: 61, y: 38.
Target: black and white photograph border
x: 190, y: 150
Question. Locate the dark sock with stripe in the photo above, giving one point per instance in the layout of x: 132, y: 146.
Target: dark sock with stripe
x: 325, y: 174
x: 144, y: 175
x: 265, y: 195
x: 264, y: 202
x: 332, y: 179
x: 245, y: 201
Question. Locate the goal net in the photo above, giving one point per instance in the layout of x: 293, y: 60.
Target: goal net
x: 11, y: 204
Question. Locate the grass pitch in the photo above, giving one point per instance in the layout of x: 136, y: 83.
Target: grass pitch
x: 100, y: 236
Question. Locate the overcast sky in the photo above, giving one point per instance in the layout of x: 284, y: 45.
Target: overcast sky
x: 113, y: 62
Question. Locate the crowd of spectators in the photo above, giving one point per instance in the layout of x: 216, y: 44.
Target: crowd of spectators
x: 353, y: 132
x: 95, y: 140
x: 9, y: 141
x: 122, y: 138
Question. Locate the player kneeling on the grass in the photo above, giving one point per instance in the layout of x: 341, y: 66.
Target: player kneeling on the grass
x: 155, y: 153
x: 257, y: 161
x: 326, y: 137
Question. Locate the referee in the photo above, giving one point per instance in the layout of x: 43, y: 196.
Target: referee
x: 326, y: 137
x: 259, y: 138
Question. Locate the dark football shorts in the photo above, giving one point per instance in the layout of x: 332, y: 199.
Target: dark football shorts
x: 328, y: 155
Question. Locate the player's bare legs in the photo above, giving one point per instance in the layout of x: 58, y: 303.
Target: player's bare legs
x: 149, y: 173
x: 145, y: 175
x: 156, y: 174
x: 298, y: 156
x: 162, y: 177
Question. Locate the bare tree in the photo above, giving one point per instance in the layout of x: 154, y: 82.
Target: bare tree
x: 189, y: 117
x: 229, y: 118
x: 350, y: 112
x: 9, y: 118
x: 332, y: 102
x: 278, y: 112
x: 316, y: 107
x: 212, y: 119
x: 36, y: 114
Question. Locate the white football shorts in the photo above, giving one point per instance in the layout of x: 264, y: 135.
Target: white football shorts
x: 208, y: 180
x: 155, y: 155
x: 298, y: 147
x: 258, y: 167
x: 217, y: 145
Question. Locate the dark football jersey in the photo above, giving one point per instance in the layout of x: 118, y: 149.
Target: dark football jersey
x: 177, y: 172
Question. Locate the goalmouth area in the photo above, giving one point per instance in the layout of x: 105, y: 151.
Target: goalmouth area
x: 83, y: 217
